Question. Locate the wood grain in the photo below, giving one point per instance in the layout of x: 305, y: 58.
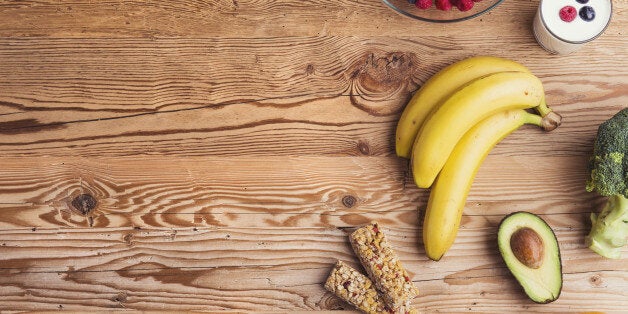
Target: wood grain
x: 59, y: 99
x: 215, y: 269
x: 214, y: 155
x: 253, y: 19
x: 274, y: 192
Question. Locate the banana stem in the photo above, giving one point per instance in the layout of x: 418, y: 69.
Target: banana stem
x: 542, y: 108
x: 551, y: 119
x: 531, y: 118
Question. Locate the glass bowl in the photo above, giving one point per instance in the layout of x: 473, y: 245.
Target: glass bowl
x: 437, y: 16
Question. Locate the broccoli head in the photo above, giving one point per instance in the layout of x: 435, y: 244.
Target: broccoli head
x: 609, y: 164
x: 608, y: 169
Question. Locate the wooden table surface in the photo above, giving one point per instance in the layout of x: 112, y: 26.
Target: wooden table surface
x: 214, y: 155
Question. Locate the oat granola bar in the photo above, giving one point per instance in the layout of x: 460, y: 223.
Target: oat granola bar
x: 383, y: 266
x: 355, y: 289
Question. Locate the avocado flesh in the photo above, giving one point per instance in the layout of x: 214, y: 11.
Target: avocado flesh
x: 542, y: 285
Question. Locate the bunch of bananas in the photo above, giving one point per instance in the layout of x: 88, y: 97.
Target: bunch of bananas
x: 451, y: 124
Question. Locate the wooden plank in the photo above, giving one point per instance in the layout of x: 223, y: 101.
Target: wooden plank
x: 231, y: 268
x: 254, y: 19
x: 230, y: 96
x: 271, y: 132
x: 274, y: 191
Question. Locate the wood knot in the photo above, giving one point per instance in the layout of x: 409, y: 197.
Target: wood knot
x: 382, y: 82
x: 332, y: 303
x: 596, y: 280
x: 121, y: 297
x: 128, y: 239
x: 348, y: 201
x: 84, y: 203
x: 363, y: 147
x: 309, y: 69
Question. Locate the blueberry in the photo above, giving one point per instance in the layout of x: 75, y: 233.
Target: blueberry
x: 414, y: 1
x: 587, y: 13
x: 582, y: 1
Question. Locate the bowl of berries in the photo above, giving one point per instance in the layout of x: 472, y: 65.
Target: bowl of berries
x: 442, y: 11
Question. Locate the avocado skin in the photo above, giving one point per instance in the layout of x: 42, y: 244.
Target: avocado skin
x: 507, y: 254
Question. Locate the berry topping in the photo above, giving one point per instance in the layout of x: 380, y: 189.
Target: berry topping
x: 423, y: 4
x: 587, y: 13
x: 477, y: 0
x: 582, y: 1
x: 568, y: 13
x: 444, y: 5
x: 465, y: 5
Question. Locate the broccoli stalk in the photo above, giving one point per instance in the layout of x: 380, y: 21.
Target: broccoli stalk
x: 609, y: 177
x: 610, y: 228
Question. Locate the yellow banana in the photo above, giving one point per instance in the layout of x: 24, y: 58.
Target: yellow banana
x: 440, y: 86
x: 453, y: 117
x: 449, y: 193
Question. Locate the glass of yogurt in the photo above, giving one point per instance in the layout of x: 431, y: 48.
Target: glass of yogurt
x: 563, y: 26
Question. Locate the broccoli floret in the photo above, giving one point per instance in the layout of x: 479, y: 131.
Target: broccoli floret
x: 609, y: 177
x: 609, y: 164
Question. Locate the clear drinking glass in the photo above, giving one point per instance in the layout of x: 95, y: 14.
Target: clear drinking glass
x: 558, y: 36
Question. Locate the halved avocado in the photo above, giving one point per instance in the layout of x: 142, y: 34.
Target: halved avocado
x: 530, y: 250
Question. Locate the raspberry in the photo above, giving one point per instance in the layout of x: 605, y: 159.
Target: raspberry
x: 465, y: 5
x: 423, y: 4
x: 568, y: 13
x: 444, y: 5
x: 477, y: 0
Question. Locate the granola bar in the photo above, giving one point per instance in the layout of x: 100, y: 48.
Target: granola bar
x: 383, y: 266
x: 355, y: 289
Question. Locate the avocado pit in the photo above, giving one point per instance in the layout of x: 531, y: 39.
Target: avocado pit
x: 527, y: 246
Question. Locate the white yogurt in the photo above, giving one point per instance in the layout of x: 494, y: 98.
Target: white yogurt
x: 558, y: 36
